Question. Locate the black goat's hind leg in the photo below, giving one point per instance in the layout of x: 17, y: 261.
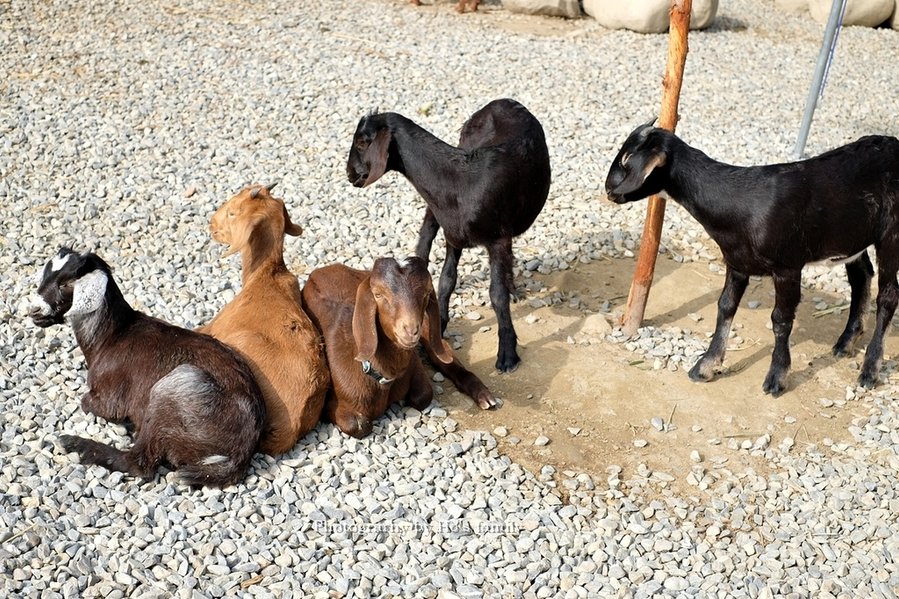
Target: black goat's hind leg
x: 859, y: 272
x: 500, y: 253
x: 734, y: 287
x: 426, y: 235
x: 787, y: 292
x: 887, y: 298
x: 447, y: 283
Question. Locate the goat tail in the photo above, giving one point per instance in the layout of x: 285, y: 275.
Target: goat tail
x: 214, y: 470
x: 100, y: 454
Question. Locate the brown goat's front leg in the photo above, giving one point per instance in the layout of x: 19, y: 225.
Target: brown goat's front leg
x: 859, y: 272
x: 887, y: 298
x: 501, y: 279
x: 787, y: 291
x: 350, y: 422
x: 734, y: 287
x: 426, y: 235
x: 447, y: 284
x: 420, y: 391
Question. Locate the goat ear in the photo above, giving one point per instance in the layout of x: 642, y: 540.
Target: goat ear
x: 240, y: 235
x: 638, y: 173
x: 289, y: 227
x: 365, y: 330
x: 376, y: 156
x: 431, y: 331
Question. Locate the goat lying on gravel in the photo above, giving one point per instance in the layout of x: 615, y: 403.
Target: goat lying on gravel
x: 372, y: 323
x: 266, y: 322
x: 773, y: 220
x: 192, y: 401
x: 483, y: 193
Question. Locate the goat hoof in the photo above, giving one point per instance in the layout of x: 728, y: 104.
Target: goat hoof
x: 70, y: 443
x: 868, y: 380
x: 486, y: 400
x: 773, y: 385
x: 507, y: 363
x: 840, y: 352
x: 356, y: 426
x: 701, y: 373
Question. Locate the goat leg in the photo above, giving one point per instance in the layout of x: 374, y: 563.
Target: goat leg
x: 887, y: 298
x: 787, y: 291
x: 93, y: 404
x: 465, y: 381
x: 426, y: 235
x: 350, y: 422
x: 420, y: 391
x: 734, y: 286
x: 447, y: 284
x: 500, y: 253
x: 100, y: 454
x: 859, y: 272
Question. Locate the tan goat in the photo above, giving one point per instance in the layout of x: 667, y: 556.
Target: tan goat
x: 266, y: 322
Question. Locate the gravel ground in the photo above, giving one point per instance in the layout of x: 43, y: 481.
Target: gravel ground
x: 112, y: 113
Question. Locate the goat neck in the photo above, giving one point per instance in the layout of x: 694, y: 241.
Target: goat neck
x: 110, y: 321
x: 264, y: 252
x: 390, y: 360
x: 428, y: 162
x: 704, y: 186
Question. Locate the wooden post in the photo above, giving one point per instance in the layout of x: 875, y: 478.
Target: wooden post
x: 655, y: 212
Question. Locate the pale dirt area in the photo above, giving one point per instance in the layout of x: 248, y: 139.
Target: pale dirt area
x: 611, y: 393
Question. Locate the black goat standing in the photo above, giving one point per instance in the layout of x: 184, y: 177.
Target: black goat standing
x: 773, y: 220
x: 483, y: 193
x: 193, y: 402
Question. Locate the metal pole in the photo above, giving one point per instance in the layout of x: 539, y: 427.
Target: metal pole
x: 825, y: 56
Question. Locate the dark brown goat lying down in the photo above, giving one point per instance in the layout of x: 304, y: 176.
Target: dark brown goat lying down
x: 193, y: 401
x: 372, y: 323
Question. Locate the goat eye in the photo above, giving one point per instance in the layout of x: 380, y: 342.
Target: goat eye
x: 624, y: 159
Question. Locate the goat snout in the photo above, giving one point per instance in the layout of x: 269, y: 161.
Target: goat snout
x: 615, y: 198
x: 43, y: 319
x: 357, y: 179
x: 42, y: 313
x: 408, y: 334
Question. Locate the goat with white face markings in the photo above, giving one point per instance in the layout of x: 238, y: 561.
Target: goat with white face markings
x: 192, y: 401
x: 485, y: 192
x: 773, y: 220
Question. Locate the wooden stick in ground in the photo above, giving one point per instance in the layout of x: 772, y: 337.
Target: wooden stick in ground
x: 655, y: 212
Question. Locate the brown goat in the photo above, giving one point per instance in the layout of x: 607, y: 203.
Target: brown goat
x: 372, y: 323
x: 460, y: 6
x: 266, y: 322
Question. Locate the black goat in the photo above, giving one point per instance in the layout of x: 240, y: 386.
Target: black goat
x: 193, y: 402
x: 483, y: 193
x: 773, y: 220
